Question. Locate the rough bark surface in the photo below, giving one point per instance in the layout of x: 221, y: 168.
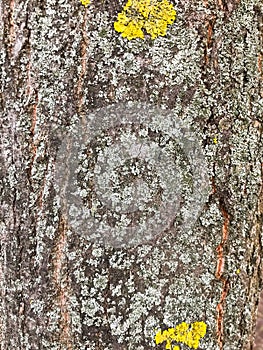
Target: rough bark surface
x: 59, y: 289
x: 259, y: 327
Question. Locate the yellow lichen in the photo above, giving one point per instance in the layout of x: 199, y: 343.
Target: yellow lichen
x: 182, y: 333
x: 151, y: 15
x: 215, y: 140
x: 85, y: 2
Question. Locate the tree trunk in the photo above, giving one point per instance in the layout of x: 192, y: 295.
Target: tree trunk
x: 69, y: 80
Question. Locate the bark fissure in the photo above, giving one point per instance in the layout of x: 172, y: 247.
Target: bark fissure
x: 83, y: 64
x: 61, y: 283
x: 220, y: 270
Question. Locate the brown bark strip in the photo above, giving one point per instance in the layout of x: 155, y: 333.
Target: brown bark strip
x: 34, y: 116
x: 83, y: 58
x: 3, y: 293
x: 220, y: 313
x: 260, y: 63
x: 219, y: 276
x: 210, y: 29
x: 213, y: 185
x: 260, y: 201
x: 32, y: 130
x: 259, y: 328
x: 29, y: 87
x: 221, y: 4
x: 29, y: 91
x: 228, y: 6
x: 65, y: 329
x: 41, y: 192
x: 10, y: 30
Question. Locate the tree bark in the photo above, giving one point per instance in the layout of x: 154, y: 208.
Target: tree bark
x: 61, y: 288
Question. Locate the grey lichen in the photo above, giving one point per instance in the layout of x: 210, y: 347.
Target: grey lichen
x: 110, y: 298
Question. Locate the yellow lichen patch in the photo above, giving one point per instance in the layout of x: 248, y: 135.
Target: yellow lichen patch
x: 189, y: 335
x: 151, y: 15
x: 85, y: 2
x: 215, y: 140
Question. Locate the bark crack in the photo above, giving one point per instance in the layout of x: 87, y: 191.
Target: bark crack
x: 62, y: 287
x: 83, y: 59
x: 220, y: 277
x: 10, y: 27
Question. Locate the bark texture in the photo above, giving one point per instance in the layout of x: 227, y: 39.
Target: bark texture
x: 60, y: 289
x: 259, y: 327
